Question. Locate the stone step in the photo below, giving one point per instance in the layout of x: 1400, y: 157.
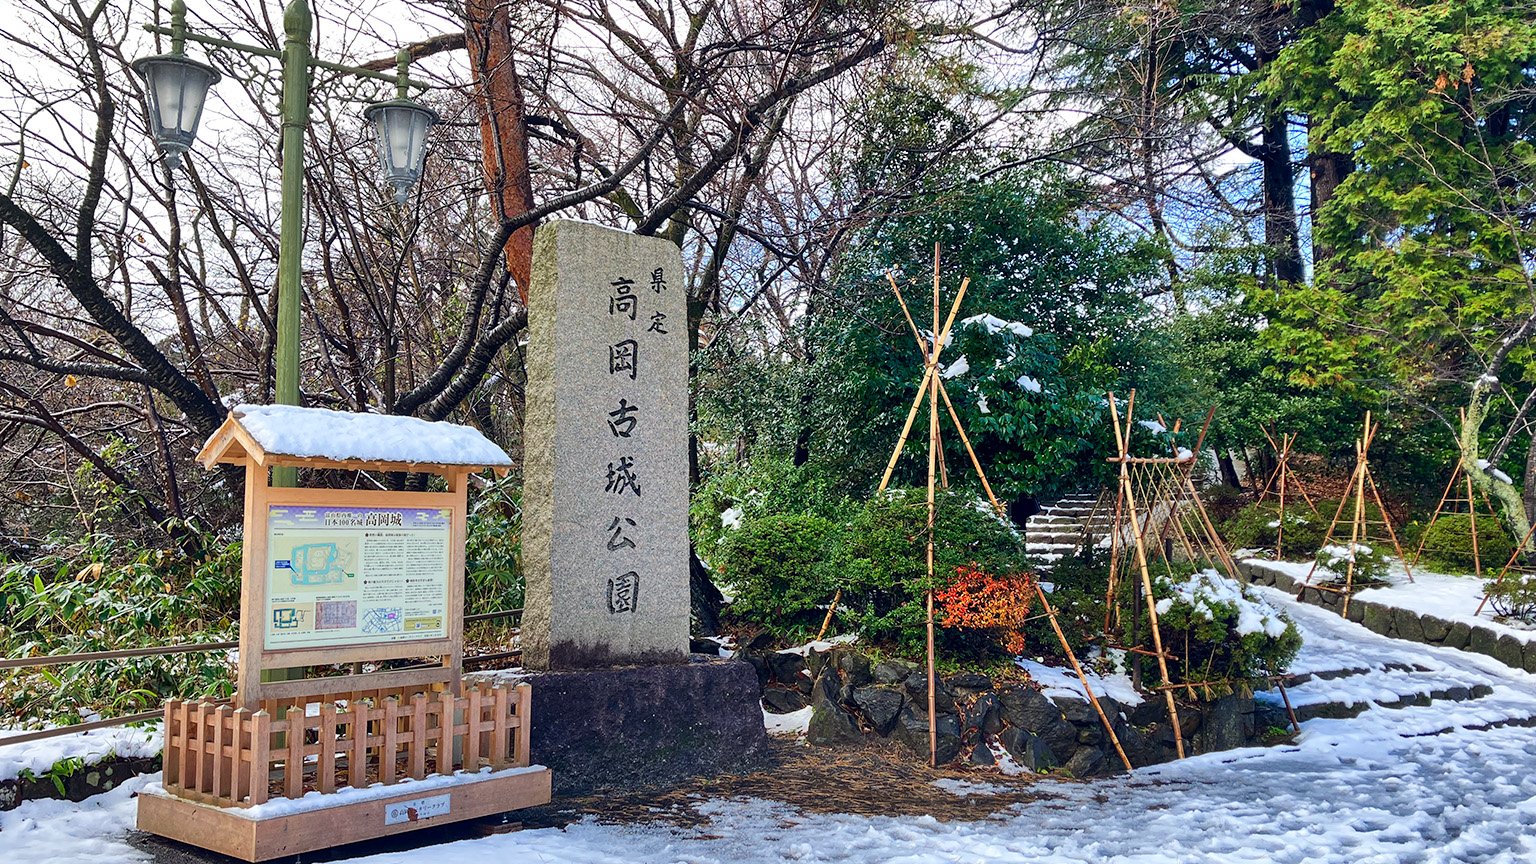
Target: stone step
x: 1388, y: 686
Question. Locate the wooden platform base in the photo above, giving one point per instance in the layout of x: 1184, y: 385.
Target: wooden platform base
x: 273, y: 832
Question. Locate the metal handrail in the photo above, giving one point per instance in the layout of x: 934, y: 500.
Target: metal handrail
x: 160, y: 650
x: 65, y: 659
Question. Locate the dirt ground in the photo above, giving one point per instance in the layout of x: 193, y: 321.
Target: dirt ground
x: 880, y: 778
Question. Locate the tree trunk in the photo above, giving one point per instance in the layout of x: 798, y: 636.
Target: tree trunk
x: 488, y: 40
x: 1228, y: 468
x: 1280, y: 229
x: 1328, y: 170
x: 705, y: 599
x: 1513, y: 508
x: 1529, y: 482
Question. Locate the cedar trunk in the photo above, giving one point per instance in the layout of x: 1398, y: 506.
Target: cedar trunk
x: 488, y: 40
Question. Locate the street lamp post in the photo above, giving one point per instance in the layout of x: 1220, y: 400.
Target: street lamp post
x: 177, y: 87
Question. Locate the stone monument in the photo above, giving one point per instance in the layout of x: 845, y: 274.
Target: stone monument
x: 622, y: 702
x: 605, y: 523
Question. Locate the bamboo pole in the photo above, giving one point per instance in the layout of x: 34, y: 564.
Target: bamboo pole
x: 1109, y: 728
x: 1519, y: 547
x: 933, y: 451
x: 1122, y: 441
x: 1455, y: 475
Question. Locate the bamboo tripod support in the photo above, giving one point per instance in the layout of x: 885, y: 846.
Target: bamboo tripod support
x: 1128, y: 497
x: 1360, y: 482
x: 1509, y: 565
x: 932, y: 388
x: 1279, y: 479
x: 1459, y: 472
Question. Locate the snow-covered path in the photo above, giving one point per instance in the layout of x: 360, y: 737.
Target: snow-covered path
x: 1381, y: 787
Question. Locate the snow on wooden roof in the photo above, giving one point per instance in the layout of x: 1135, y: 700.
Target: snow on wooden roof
x: 290, y: 435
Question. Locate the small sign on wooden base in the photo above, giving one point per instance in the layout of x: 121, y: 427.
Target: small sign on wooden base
x: 343, y: 583
x: 249, y: 834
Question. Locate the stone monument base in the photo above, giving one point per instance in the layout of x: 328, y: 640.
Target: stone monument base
x: 646, y: 726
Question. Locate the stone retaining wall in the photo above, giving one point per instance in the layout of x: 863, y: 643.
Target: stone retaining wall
x: 853, y: 699
x: 1403, y: 623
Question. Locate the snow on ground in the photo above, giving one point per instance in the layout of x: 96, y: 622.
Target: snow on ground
x: 1059, y: 683
x: 1453, y: 598
x: 93, y: 746
x: 64, y: 832
x: 792, y: 724
x: 1382, y: 787
x: 966, y: 788
x: 821, y: 645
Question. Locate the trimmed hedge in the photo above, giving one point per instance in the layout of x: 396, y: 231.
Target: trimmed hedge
x: 1448, y: 544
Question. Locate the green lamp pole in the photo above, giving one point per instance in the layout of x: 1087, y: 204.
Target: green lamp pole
x: 177, y: 87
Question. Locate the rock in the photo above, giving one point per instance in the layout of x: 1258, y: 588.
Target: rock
x: 1084, y: 762
x: 1435, y: 629
x: 892, y: 671
x: 647, y: 726
x: 830, y: 722
x: 879, y: 706
x: 786, y: 668
x: 981, y: 754
x: 1376, y: 618
x: 968, y: 684
x: 778, y: 700
x: 1510, y: 650
x: 1028, y: 709
x: 760, y: 666
x: 984, y: 716
x: 1080, y: 711
x: 852, y: 666
x: 1530, y: 656
x: 1028, y: 750
x: 1148, y: 712
x: 912, y: 730
x: 1482, y: 641
x: 1140, y: 747
x: 815, y: 661
x: 1457, y: 635
x: 917, y: 693
x: 1356, y: 612
x: 1061, y: 736
x: 1408, y: 625
x: 1222, y: 725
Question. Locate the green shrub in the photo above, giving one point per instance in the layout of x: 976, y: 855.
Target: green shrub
x: 1222, y: 501
x: 1369, y: 559
x: 1219, y: 632
x: 781, y: 568
x: 493, y: 551
x: 1077, y: 593
x: 1448, y: 544
x: 734, y: 495
x: 884, y: 558
x: 1257, y: 527
x: 1514, y: 596
x: 100, y: 594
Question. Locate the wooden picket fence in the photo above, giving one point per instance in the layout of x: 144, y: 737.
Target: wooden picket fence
x: 236, y: 757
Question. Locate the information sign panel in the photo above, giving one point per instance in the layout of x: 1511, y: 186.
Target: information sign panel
x: 356, y: 575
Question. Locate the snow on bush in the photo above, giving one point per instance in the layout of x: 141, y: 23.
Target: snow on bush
x: 1333, y: 562
x: 1223, y: 633
x: 1208, y: 592
x: 995, y: 325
